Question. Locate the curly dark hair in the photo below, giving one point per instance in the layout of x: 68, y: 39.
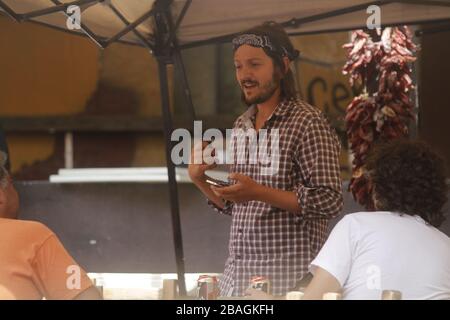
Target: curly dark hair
x: 409, y: 178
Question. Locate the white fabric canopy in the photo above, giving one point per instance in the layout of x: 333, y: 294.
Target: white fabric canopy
x: 206, y: 19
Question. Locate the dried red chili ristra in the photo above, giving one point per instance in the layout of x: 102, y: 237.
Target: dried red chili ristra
x: 382, y: 115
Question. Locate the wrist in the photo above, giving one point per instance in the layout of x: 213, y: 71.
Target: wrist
x: 260, y: 192
x: 198, y: 179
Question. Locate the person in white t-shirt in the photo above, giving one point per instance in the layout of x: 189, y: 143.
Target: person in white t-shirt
x: 399, y: 246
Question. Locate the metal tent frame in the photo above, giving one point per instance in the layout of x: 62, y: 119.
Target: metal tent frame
x: 164, y: 45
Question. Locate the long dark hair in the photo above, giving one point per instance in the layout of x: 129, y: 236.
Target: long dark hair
x: 280, y: 38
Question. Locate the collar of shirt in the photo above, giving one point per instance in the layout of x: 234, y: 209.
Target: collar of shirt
x: 249, y: 116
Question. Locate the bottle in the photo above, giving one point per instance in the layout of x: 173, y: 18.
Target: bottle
x: 294, y: 295
x: 261, y: 283
x: 207, y: 287
x: 332, y: 296
x: 169, y: 290
x: 391, y: 295
x: 98, y: 283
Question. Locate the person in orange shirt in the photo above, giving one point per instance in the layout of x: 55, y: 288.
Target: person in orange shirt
x: 33, y: 262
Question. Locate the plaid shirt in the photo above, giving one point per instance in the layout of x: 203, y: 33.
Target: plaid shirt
x: 272, y: 242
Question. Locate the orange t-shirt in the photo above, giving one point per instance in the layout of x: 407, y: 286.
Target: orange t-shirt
x: 34, y: 264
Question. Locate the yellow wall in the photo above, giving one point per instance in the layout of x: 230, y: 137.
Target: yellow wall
x: 43, y: 72
x: 48, y: 72
x: 320, y: 78
x: 134, y: 68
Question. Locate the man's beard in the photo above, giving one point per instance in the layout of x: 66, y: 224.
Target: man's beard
x: 268, y: 89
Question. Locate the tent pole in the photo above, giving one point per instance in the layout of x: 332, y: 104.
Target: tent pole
x: 128, y: 28
x: 438, y: 3
x: 295, y: 22
x: 173, y: 190
x: 10, y: 12
x: 180, y: 69
x: 178, y: 58
x: 144, y: 41
x: 174, y: 27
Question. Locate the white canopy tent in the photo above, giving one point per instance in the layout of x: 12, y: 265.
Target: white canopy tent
x: 201, y: 20
x: 166, y: 27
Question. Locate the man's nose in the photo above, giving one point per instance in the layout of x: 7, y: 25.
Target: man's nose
x: 246, y: 73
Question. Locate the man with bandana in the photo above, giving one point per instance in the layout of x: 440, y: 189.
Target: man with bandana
x: 279, y: 220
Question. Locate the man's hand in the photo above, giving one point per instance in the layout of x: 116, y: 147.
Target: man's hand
x: 197, y: 165
x: 245, y: 189
x: 197, y: 168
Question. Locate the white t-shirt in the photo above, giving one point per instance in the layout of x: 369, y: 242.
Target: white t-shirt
x: 368, y: 252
